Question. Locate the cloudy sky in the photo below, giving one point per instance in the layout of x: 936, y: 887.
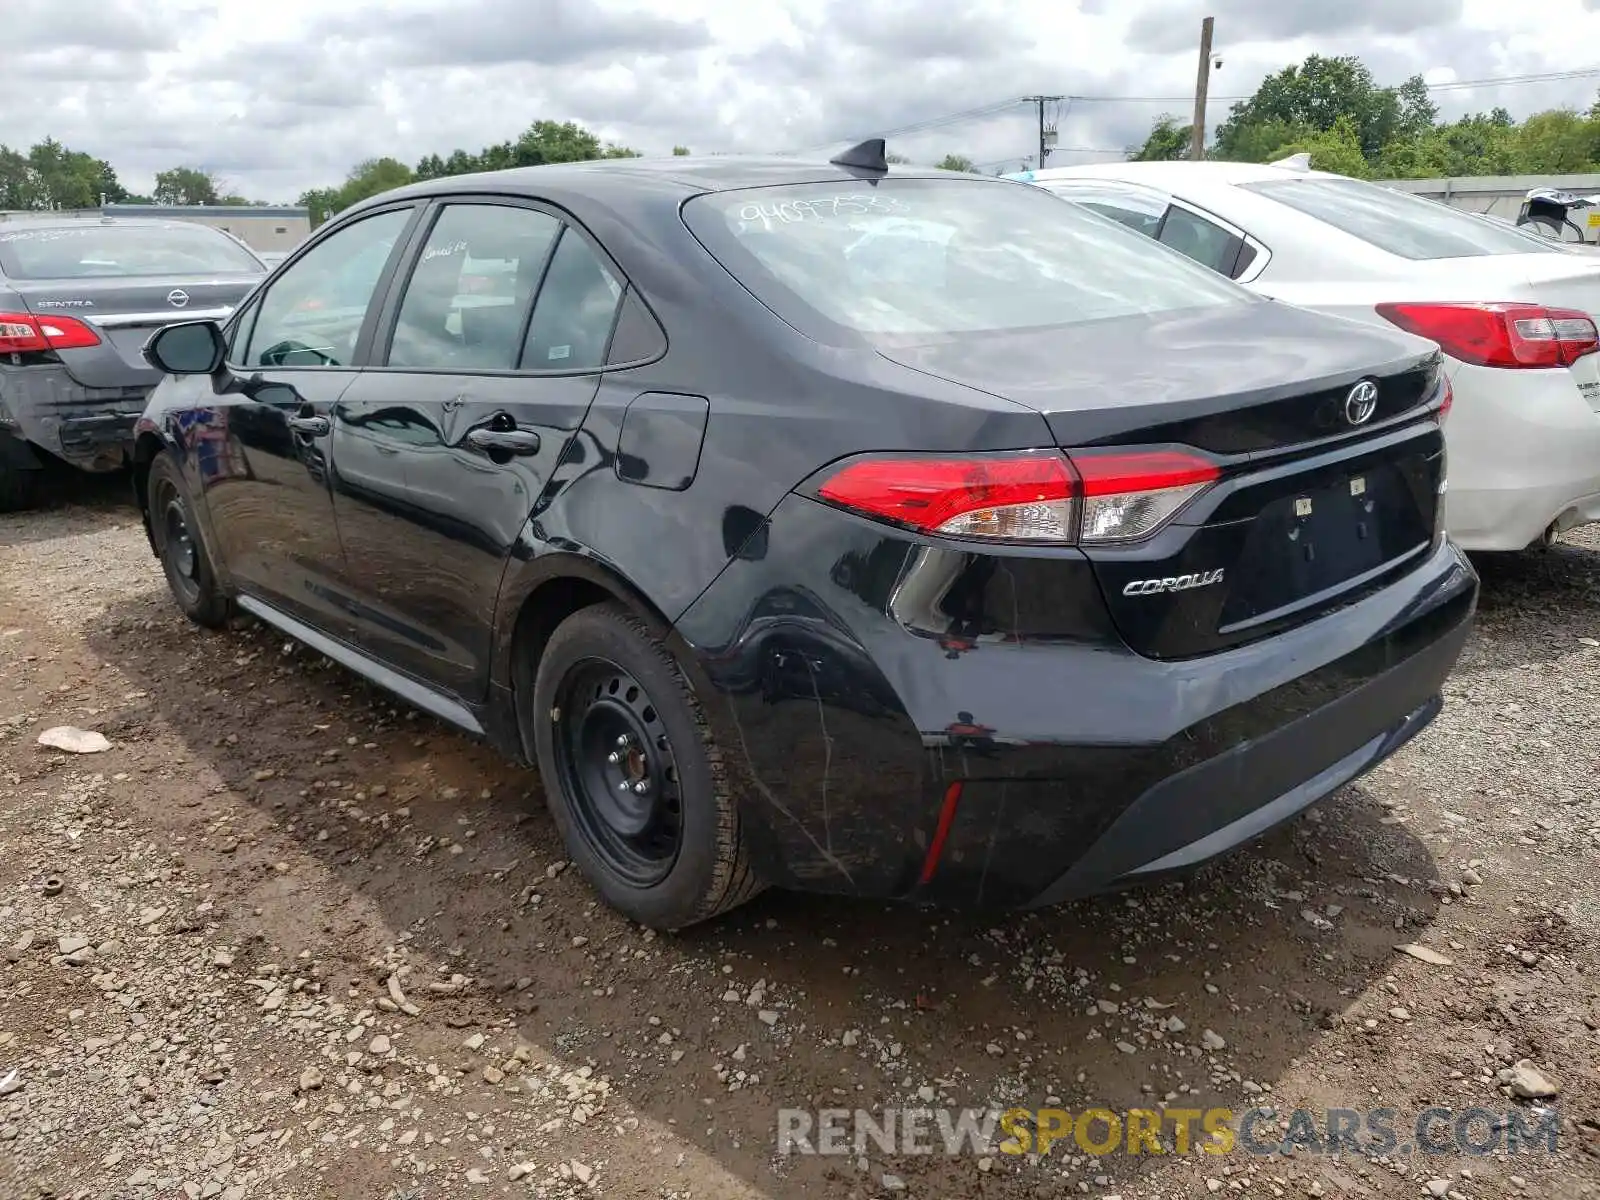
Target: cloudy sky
x: 278, y: 96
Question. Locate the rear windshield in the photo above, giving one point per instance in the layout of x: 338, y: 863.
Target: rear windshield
x: 1405, y: 225
x: 929, y: 257
x: 98, y: 251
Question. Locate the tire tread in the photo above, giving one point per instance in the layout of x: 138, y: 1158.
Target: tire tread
x: 215, y: 608
x: 734, y: 878
x: 19, y: 490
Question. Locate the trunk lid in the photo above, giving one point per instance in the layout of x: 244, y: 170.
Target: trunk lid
x: 124, y: 312
x: 1311, y: 510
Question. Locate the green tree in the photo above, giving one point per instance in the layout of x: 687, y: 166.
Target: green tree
x: 1418, y: 113
x: 955, y: 162
x: 1337, y: 150
x: 1481, y: 144
x: 365, y: 180
x: 18, y: 187
x: 320, y: 204
x: 186, y: 185
x: 542, y: 142
x: 680, y: 152
x: 1558, y: 142
x: 1166, y: 142
x: 1312, y: 97
x: 558, y: 142
x: 51, y: 176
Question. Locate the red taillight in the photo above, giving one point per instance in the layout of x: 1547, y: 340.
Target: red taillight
x: 1447, y: 401
x: 1129, y: 495
x: 1026, y: 497
x: 1017, y: 497
x: 24, y: 333
x: 1501, y: 335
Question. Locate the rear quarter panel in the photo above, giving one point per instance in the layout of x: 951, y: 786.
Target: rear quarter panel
x: 779, y: 407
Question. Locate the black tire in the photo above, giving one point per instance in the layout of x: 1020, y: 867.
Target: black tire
x: 19, y: 489
x: 178, y: 545
x: 676, y: 856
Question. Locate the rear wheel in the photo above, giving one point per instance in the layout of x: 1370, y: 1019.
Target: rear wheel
x: 19, y: 489
x: 182, y: 553
x: 633, y: 777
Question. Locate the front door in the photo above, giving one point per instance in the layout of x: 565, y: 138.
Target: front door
x: 483, y: 370
x: 294, y: 351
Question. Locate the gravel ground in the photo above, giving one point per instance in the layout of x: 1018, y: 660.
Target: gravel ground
x: 287, y: 938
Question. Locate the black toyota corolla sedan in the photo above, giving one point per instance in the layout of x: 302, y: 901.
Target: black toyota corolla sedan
x: 836, y: 526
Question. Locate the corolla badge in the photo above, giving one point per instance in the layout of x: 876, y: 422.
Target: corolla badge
x: 1173, y: 583
x: 1361, y: 403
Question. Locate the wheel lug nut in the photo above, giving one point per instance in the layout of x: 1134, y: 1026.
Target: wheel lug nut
x: 624, y: 786
x: 641, y: 787
x: 623, y: 741
x: 613, y: 757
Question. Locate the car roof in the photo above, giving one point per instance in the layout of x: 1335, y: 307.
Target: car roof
x: 48, y: 221
x: 1180, y: 174
x: 679, y: 177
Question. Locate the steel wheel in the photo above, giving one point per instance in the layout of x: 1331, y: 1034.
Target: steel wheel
x: 179, y: 554
x: 617, y: 764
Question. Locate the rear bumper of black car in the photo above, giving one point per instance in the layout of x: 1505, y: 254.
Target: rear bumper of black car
x: 91, y: 428
x: 911, y: 721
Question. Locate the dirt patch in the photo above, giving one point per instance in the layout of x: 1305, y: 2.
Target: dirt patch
x: 308, y: 942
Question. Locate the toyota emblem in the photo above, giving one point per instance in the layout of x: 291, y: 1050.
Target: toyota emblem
x: 1361, y: 403
x: 177, y: 297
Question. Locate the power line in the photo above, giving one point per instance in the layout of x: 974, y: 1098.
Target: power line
x: 1044, y: 141
x: 999, y: 107
x: 929, y: 123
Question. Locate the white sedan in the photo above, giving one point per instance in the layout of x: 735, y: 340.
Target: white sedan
x: 1513, y: 312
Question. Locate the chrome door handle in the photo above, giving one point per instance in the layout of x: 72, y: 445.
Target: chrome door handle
x: 506, y: 441
x: 310, y: 426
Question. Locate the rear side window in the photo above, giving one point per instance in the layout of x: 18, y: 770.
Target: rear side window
x: 928, y: 258
x: 1401, y: 224
x: 576, y: 308
x: 1208, y: 244
x: 95, y: 251
x: 467, y: 299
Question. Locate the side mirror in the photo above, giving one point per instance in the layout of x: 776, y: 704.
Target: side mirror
x: 192, y: 348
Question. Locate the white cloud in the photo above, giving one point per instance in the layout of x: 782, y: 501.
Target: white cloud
x: 280, y: 97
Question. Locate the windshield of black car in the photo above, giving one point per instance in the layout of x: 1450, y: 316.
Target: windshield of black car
x: 1404, y: 225
x: 918, y: 257
x: 91, y: 250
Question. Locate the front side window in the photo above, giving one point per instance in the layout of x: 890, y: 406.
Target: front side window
x: 88, y: 250
x: 930, y: 258
x: 467, y: 300
x: 311, y: 315
x: 1400, y: 224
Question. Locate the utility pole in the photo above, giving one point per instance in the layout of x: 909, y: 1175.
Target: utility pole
x: 1041, y: 101
x: 1202, y: 82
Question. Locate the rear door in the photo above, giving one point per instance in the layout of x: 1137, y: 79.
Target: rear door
x: 486, y: 360
x: 125, y: 280
x: 295, y: 350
